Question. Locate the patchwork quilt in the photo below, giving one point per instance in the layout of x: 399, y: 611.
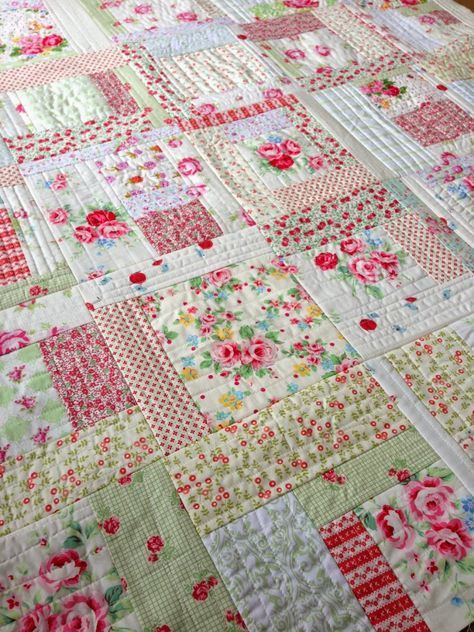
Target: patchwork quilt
x: 236, y: 325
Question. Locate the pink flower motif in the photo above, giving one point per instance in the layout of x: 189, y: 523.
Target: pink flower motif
x: 291, y: 147
x: 113, y: 229
x: 393, y: 525
x: 269, y: 151
x: 429, y: 499
x: 209, y: 319
x: 324, y: 51
x: 427, y: 19
x: 387, y: 260
x: 41, y: 436
x: 219, y: 277
x: 3, y: 453
x: 36, y: 620
x: 259, y: 352
x: 58, y: 216
x: 345, y: 365
x: 13, y: 340
x: 95, y: 274
x: 196, y: 190
x: 206, y: 108
x: 81, y: 612
x: 324, y: 70
x: 175, y: 142
x: 189, y: 166
x: 186, y: 16
x: 301, y: 4
x: 373, y: 86
x: 272, y: 93
x: 225, y: 353
x: 468, y: 181
x: 85, y: 234
x: 17, y: 373
x: 62, y: 569
x: 316, y: 162
x: 295, y: 53
x: 284, y: 267
x: 248, y: 219
x: 143, y: 9
x: 31, y: 44
x: 450, y: 539
x: 365, y: 270
x: 27, y: 403
x: 59, y: 183
x: 352, y: 245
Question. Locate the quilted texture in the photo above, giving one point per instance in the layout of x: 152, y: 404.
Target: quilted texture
x: 236, y: 327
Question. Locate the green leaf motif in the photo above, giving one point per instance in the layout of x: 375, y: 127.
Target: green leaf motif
x: 16, y: 428
x: 113, y: 594
x: 373, y: 290
x: 7, y: 393
x: 72, y: 542
x: 466, y: 565
x: 40, y: 382
x: 27, y: 354
x: 53, y: 412
x: 369, y: 521
x: 205, y: 364
x: 246, y: 332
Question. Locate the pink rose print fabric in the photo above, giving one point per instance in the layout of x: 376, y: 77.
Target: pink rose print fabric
x: 236, y: 329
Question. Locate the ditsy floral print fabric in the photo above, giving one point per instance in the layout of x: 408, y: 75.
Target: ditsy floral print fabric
x: 236, y: 329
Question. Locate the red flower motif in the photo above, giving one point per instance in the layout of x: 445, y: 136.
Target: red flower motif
x: 111, y: 525
x: 326, y: 260
x: 99, y: 216
x: 200, y: 591
x: 155, y: 543
x: 392, y: 91
x: 163, y: 628
x: 62, y: 569
x: 283, y: 162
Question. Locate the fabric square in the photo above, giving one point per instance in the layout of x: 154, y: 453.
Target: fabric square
x: 29, y: 33
x: 32, y: 411
x: 436, y: 122
x: 179, y: 227
x: 13, y: 264
x: 65, y: 103
x: 244, y: 466
x: 244, y: 336
x: 370, y: 576
x: 431, y: 548
x: 63, y: 561
x: 171, y: 578
x: 378, y: 293
x: 249, y: 554
x: 85, y: 375
x: 439, y: 368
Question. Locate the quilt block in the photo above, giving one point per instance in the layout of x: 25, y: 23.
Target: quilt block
x: 236, y: 316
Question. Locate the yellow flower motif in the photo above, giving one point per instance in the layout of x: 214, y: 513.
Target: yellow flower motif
x: 186, y: 320
x: 313, y: 311
x: 278, y: 274
x: 224, y: 333
x: 189, y: 374
x: 385, y: 104
x: 230, y: 401
x: 302, y: 369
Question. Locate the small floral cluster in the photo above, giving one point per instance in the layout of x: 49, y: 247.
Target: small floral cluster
x: 364, y: 262
x: 280, y: 155
x: 202, y: 588
x: 383, y: 91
